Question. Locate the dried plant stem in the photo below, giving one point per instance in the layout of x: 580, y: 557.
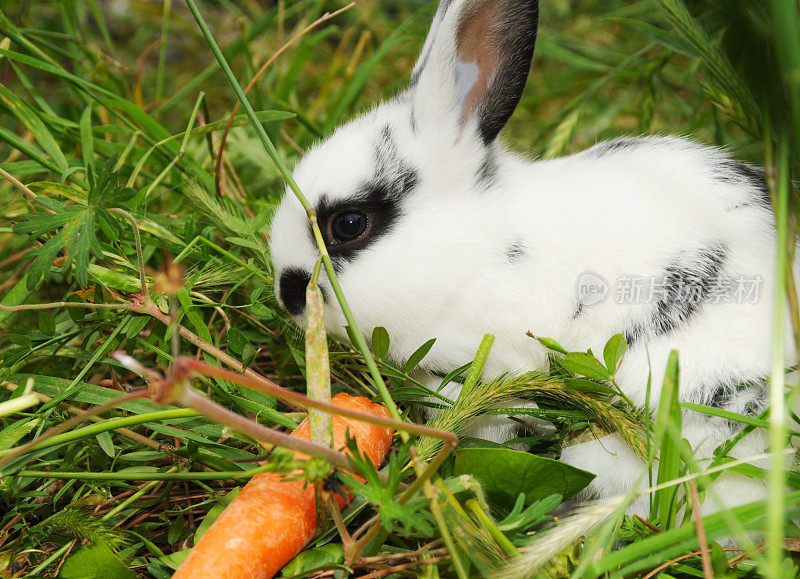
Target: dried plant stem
x: 188, y: 397
x: 705, y: 552
x: 264, y: 385
x: 22, y: 187
x: 151, y: 309
x: 54, y: 305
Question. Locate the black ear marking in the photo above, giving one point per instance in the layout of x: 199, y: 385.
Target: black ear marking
x: 476, y: 61
x: 513, y: 38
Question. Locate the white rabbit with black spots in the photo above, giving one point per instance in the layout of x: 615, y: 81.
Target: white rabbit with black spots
x: 435, y: 230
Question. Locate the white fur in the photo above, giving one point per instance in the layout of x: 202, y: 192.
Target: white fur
x: 443, y: 271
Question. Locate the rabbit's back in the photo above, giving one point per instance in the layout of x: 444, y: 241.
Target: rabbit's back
x: 665, y: 241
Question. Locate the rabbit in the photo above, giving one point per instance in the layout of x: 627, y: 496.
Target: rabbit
x: 435, y: 230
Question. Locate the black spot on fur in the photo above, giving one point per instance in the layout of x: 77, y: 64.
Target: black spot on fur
x: 578, y: 311
x: 393, y: 174
x: 633, y: 334
x: 602, y: 149
x: 417, y: 72
x: 688, y: 281
x: 515, y: 251
x: 379, y: 198
x: 749, y: 398
x: 488, y: 171
x: 687, y: 286
x: 737, y: 173
x: 292, y: 289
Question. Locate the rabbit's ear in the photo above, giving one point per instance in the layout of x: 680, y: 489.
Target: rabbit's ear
x: 474, y: 64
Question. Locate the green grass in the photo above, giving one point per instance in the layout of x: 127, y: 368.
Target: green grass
x: 108, y: 138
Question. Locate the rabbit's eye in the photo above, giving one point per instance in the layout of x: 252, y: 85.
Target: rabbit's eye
x: 349, y: 226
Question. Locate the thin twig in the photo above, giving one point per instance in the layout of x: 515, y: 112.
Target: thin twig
x: 22, y: 187
x: 396, y: 568
x: 265, y: 385
x: 221, y: 148
x: 663, y: 566
x: 705, y: 552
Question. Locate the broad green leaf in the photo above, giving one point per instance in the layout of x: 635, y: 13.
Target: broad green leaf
x: 330, y: 554
x: 586, y: 385
x: 200, y: 326
x: 614, y: 351
x: 380, y: 341
x: 136, y: 325
x: 106, y: 444
x: 15, y: 432
x: 586, y: 365
x: 176, y: 559
x: 417, y: 357
x: 236, y: 341
x: 46, y: 323
x: 114, y: 279
x: 505, y: 474
x: 40, y: 268
x: 17, y: 295
x: 176, y: 530
x: 95, y: 562
x: 261, y: 310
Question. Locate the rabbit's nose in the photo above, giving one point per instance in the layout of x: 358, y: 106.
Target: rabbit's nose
x: 292, y: 289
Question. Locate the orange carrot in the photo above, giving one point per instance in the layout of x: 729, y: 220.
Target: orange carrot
x: 272, y: 519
